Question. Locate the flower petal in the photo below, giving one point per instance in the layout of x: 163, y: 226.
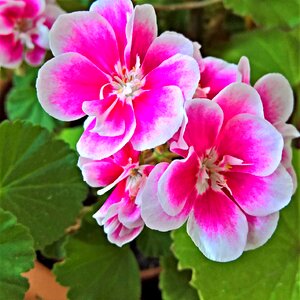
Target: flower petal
x: 33, y: 8
x: 260, y: 230
x: 178, y: 183
x: 165, y: 46
x: 159, y: 114
x: 253, y: 140
x: 11, y: 51
x: 6, y: 25
x: 277, y: 97
x: 94, y: 146
x: 239, y: 98
x: 141, y: 30
x: 35, y: 56
x: 86, y: 33
x: 100, y: 173
x: 151, y: 210
x: 115, y: 12
x: 218, y: 227
x: 205, y: 119
x: 179, y: 70
x: 261, y: 196
x: 244, y: 69
x: 109, y: 115
x: 217, y: 74
x: 65, y: 82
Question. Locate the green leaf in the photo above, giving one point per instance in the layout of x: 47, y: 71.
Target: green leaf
x: 154, y: 243
x: 22, y: 104
x: 269, y: 13
x: 173, y: 283
x: 70, y: 6
x: 55, y: 250
x: 95, y: 269
x: 268, y: 51
x: 39, y: 181
x: 16, y: 257
x: 71, y: 135
x: 269, y: 272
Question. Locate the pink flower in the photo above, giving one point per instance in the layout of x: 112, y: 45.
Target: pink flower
x: 24, y: 30
x: 120, y: 214
x: 230, y: 184
x: 278, y: 102
x: 216, y: 74
x: 110, y: 65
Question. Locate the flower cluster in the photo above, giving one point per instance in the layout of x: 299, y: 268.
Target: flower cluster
x: 24, y: 30
x: 221, y: 149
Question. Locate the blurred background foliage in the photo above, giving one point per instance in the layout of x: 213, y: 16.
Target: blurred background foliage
x: 42, y: 193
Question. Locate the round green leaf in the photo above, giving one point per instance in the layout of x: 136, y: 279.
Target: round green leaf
x: 71, y: 135
x: 269, y: 13
x: 268, y: 51
x: 16, y: 257
x: 269, y: 272
x: 154, y: 243
x: 39, y: 181
x: 173, y: 283
x: 95, y: 269
x: 22, y: 104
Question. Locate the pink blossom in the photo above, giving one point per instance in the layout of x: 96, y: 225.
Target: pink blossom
x: 230, y: 184
x: 216, y: 74
x: 120, y: 214
x: 24, y: 30
x: 110, y: 65
x: 278, y: 102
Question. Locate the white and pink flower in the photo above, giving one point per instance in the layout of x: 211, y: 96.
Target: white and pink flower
x: 120, y: 215
x: 278, y: 103
x: 230, y: 184
x: 110, y: 65
x: 24, y: 31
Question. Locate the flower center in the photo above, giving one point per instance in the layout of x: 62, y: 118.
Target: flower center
x: 128, y: 83
x: 134, y: 182
x: 211, y: 173
x: 23, y: 29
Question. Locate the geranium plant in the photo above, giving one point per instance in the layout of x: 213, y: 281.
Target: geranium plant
x: 162, y: 153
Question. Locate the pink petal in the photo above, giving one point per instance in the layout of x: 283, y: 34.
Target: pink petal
x: 277, y: 97
x: 239, y: 98
x: 6, y: 25
x: 11, y: 51
x: 114, y: 198
x: 109, y: 115
x: 218, y: 227
x: 52, y: 12
x: 244, y: 69
x: 123, y: 235
x: 151, y: 210
x: 127, y: 155
x: 12, y: 8
x: 165, y: 46
x: 141, y: 30
x: 179, y: 70
x: 217, y: 74
x: 65, y: 82
x: 88, y: 34
x: 178, y: 183
x: 33, y: 8
x: 115, y: 12
x: 101, y: 173
x: 205, y: 119
x: 253, y: 140
x: 35, y: 56
x: 260, y: 230
x: 95, y: 146
x: 261, y: 196
x: 130, y: 214
x: 159, y: 114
